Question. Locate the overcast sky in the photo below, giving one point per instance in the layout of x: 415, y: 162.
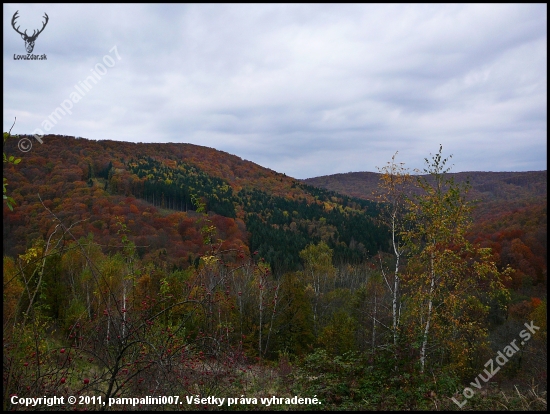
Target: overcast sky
x: 305, y: 90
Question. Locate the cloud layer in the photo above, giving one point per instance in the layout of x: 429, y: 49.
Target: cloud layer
x: 303, y: 89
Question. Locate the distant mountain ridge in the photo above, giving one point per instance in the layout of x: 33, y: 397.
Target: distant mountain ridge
x: 501, y: 190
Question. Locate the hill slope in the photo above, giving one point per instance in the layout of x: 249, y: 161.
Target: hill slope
x: 503, y: 190
x: 155, y: 190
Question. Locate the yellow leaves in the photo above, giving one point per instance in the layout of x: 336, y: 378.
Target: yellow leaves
x: 318, y: 257
x: 328, y: 206
x: 209, y: 260
x: 33, y: 253
x: 30, y: 254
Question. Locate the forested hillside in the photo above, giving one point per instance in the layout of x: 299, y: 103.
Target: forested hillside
x: 501, y: 191
x: 153, y: 187
x: 509, y: 215
x: 134, y: 270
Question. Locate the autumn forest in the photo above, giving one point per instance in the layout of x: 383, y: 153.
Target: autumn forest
x: 134, y: 270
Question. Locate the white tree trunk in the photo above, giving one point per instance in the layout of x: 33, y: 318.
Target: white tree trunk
x: 428, y: 318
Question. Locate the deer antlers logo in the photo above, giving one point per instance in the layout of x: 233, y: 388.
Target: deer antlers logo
x: 29, y: 40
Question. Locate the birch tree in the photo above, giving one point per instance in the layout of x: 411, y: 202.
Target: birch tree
x: 394, y: 180
x: 447, y: 278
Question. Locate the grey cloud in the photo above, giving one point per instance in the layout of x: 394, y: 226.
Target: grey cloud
x: 302, y: 89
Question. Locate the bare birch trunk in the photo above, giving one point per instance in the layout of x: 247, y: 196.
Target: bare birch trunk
x: 428, y: 318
